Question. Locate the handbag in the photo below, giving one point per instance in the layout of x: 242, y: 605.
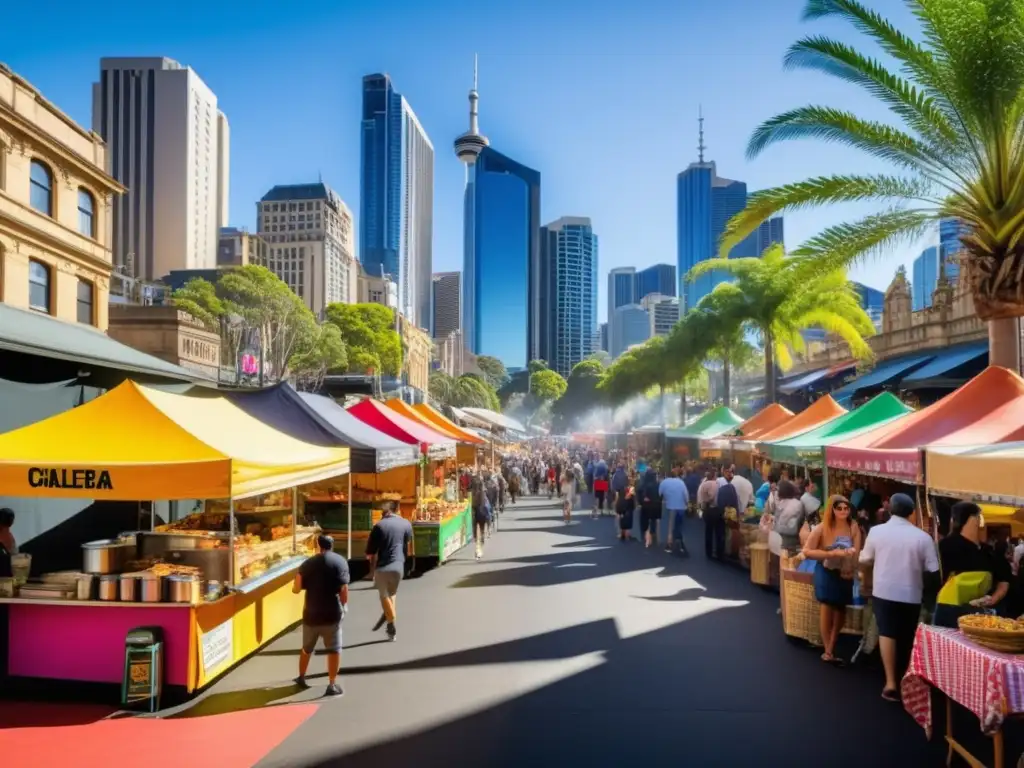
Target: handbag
x: 962, y: 588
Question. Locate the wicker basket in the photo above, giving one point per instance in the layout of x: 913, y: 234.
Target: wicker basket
x: 801, y: 612
x: 996, y: 639
x: 759, y: 564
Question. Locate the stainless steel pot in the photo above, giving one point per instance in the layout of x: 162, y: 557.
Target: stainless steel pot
x: 108, y: 587
x: 106, y: 555
x: 151, y: 588
x: 83, y: 583
x: 183, y: 589
x: 129, y: 587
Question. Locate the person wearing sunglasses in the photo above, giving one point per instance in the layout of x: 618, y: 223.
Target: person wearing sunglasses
x: 835, y: 544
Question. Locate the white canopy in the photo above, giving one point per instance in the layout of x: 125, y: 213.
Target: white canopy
x: 493, y: 419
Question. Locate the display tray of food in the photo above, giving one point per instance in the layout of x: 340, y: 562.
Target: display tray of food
x: 254, y: 555
x: 1006, y: 635
x: 438, y: 511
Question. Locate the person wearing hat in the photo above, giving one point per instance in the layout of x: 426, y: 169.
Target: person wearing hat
x: 324, y: 578
x: 904, y: 569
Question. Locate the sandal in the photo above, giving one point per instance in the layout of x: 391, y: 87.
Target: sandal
x: 891, y: 695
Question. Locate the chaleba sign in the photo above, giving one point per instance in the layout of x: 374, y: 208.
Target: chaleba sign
x: 64, y: 478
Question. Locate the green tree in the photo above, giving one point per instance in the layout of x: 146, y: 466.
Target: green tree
x: 535, y: 366
x: 779, y: 297
x: 368, y: 331
x: 955, y: 91
x: 494, y: 371
x: 582, y: 394
x: 440, y: 387
x: 721, y: 336
x: 318, y: 355
x: 547, y: 385
x: 199, y: 298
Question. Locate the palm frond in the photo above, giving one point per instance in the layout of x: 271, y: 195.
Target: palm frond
x: 842, y: 245
x: 842, y: 327
x: 913, y: 105
x: 723, y: 263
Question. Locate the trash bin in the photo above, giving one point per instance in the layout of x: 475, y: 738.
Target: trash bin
x: 143, y: 667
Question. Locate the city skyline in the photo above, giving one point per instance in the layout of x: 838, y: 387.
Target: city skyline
x: 630, y: 203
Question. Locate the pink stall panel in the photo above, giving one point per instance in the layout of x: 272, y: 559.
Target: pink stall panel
x: 68, y: 642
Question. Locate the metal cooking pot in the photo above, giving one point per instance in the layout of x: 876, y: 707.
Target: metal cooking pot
x: 151, y: 588
x: 108, y: 587
x: 183, y: 589
x: 106, y: 556
x: 129, y: 588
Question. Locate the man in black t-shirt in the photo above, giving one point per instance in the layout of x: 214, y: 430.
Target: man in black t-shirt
x: 385, y: 551
x: 325, y: 578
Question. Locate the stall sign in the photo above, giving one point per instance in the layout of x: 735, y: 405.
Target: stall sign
x: 217, y: 646
x: 454, y: 542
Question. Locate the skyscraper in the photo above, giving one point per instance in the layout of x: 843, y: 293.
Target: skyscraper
x: 705, y: 202
x: 872, y: 301
x: 308, y: 229
x: 447, y: 303
x: 502, y: 311
x: 569, y: 255
x: 603, y: 333
x: 925, y: 278
x: 769, y: 233
x: 950, y: 231
x: 629, y: 325
x: 168, y: 144
x: 660, y: 278
x: 396, y: 197
x: 621, y: 288
x: 663, y: 312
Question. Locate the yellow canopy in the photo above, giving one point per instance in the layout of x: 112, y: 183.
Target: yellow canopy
x: 135, y: 442
x: 986, y: 470
x: 438, y: 419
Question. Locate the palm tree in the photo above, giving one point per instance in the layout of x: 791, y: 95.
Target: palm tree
x: 721, y: 336
x: 778, y: 297
x: 958, y: 148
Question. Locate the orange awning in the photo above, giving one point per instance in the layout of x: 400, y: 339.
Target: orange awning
x: 764, y: 421
x: 437, y: 419
x: 406, y: 410
x: 820, y: 411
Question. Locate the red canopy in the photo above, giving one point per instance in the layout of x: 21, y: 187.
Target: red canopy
x: 395, y: 425
x: 987, y: 409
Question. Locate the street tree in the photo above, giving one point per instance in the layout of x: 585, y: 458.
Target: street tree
x: 494, y: 371
x: 547, y: 385
x: 955, y: 91
x: 368, y: 331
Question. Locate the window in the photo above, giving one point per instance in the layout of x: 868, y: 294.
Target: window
x: 85, y: 302
x: 86, y: 221
x: 39, y: 286
x: 41, y: 188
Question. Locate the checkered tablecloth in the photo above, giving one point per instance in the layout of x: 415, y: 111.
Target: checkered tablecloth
x: 989, y: 683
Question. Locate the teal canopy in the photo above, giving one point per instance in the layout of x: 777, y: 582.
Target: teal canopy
x: 715, y: 422
x: 809, y: 447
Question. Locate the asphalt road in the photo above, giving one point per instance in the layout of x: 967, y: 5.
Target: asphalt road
x: 565, y: 647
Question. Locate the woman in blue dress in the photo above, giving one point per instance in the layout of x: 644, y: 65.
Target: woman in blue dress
x: 835, y: 545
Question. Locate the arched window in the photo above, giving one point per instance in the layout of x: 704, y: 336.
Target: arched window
x: 86, y: 213
x: 85, y: 302
x: 41, y: 188
x: 39, y: 286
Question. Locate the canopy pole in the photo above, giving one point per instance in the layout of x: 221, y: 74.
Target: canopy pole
x: 152, y: 516
x: 824, y: 480
x: 423, y: 490
x: 348, y: 538
x: 295, y: 520
x: 231, y: 539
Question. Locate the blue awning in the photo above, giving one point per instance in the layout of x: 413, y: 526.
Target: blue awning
x: 804, y: 381
x: 883, y: 374
x: 947, y: 360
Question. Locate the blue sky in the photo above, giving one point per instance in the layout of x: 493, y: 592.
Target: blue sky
x: 600, y: 97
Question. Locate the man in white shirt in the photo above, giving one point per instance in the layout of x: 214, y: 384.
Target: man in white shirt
x: 1018, y: 553
x: 744, y: 489
x: 809, y: 500
x: 905, y: 567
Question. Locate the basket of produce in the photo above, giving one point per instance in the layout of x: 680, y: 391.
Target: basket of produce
x: 1006, y: 635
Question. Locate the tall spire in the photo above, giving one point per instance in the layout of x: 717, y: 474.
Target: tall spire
x: 474, y: 98
x: 469, y: 144
x: 700, y: 140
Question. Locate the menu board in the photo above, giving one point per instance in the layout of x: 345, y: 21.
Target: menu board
x: 217, y: 647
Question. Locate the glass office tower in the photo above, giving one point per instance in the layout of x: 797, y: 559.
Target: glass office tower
x: 569, y: 257
x: 660, y: 278
x: 504, y: 296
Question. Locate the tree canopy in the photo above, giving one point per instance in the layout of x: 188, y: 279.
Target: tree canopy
x: 954, y: 91
x: 494, y: 371
x: 368, y: 330
x: 465, y: 391
x: 547, y: 385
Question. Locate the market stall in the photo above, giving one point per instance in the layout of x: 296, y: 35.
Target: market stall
x: 737, y: 445
x: 467, y: 449
x: 320, y: 421
x: 441, y: 524
x: 216, y: 584
x: 684, y: 443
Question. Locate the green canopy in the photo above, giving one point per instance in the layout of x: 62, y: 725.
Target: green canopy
x: 809, y: 447
x: 715, y: 422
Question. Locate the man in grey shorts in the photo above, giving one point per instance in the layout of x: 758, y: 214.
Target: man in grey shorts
x: 324, y: 577
x: 385, y: 551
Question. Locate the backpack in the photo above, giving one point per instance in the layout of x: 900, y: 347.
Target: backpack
x: 789, y: 516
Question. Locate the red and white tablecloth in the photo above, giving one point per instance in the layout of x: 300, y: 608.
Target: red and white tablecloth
x: 989, y: 683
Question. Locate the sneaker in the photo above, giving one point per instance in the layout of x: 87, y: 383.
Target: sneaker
x: 392, y: 633
x: 380, y: 623
x: 301, y: 682
x: 334, y: 690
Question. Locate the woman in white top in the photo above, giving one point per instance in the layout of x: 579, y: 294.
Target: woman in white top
x: 568, y: 495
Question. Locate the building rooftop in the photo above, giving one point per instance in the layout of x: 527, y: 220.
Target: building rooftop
x: 317, y: 191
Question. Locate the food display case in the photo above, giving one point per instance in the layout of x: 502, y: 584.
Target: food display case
x: 442, y: 525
